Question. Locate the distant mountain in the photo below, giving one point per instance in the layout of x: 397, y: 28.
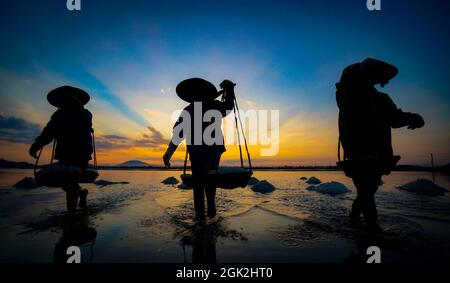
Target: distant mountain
x: 133, y: 163
x: 11, y: 164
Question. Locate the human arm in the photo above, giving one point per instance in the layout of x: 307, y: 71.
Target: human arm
x: 398, y: 118
x: 174, y: 141
x: 46, y: 137
x: 406, y: 119
x: 171, y: 148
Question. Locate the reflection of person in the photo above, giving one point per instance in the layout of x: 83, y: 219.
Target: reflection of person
x: 71, y: 126
x: 366, y: 117
x: 203, y: 242
x: 75, y: 233
x: 204, y: 252
x: 204, y: 156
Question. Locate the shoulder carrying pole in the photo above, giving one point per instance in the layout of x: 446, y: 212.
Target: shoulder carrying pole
x: 236, y: 113
x: 95, y: 153
x: 53, y: 151
x: 36, y: 163
x: 185, y: 162
x: 243, y: 135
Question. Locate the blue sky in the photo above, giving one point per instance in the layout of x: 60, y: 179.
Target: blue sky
x: 283, y: 55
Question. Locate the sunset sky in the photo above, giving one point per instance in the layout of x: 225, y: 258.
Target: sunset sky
x: 283, y: 55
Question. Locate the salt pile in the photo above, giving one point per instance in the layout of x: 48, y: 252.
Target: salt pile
x: 253, y: 181
x: 263, y: 187
x: 313, y: 181
x: 424, y: 187
x: 26, y: 183
x: 330, y: 188
x: 170, y: 181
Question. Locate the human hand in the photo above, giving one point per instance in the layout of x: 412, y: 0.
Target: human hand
x: 416, y: 121
x: 33, y: 151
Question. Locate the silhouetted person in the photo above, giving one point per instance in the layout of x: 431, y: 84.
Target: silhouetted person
x: 366, y: 117
x: 203, y: 156
x: 71, y: 126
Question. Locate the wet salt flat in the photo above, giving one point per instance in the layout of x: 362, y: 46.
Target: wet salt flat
x: 146, y: 221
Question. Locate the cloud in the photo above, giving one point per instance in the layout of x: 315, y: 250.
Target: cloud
x: 151, y: 139
x: 155, y: 136
x: 115, y: 137
x: 17, y: 130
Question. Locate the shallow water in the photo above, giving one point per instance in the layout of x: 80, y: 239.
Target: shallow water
x: 146, y: 221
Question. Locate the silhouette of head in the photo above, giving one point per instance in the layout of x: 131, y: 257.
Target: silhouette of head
x: 68, y: 96
x: 196, y: 89
x: 378, y: 72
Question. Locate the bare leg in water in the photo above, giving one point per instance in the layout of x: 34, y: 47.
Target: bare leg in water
x: 199, y: 196
x: 366, y: 185
x: 200, y: 168
x: 211, y: 201
x: 73, y: 193
x: 71, y: 197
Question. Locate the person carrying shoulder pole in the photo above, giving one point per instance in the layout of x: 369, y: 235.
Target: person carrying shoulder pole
x: 71, y: 128
x: 204, y: 155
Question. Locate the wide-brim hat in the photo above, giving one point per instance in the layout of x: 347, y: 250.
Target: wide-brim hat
x: 59, y: 96
x: 378, y: 71
x: 196, y: 89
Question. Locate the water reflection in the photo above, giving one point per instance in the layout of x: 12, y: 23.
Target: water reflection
x: 76, y: 232
x: 203, y: 239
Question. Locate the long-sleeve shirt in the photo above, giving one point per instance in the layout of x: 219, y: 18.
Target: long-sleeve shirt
x: 197, y: 149
x: 365, y: 129
x: 71, y: 127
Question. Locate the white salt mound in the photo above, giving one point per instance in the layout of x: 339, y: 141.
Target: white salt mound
x: 313, y: 181
x: 263, y: 187
x: 331, y: 188
x: 253, y: 181
x: 424, y: 187
x: 170, y: 181
x: 26, y: 183
x: 183, y: 186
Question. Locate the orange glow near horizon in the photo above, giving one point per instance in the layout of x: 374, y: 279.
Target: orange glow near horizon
x: 294, y: 150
